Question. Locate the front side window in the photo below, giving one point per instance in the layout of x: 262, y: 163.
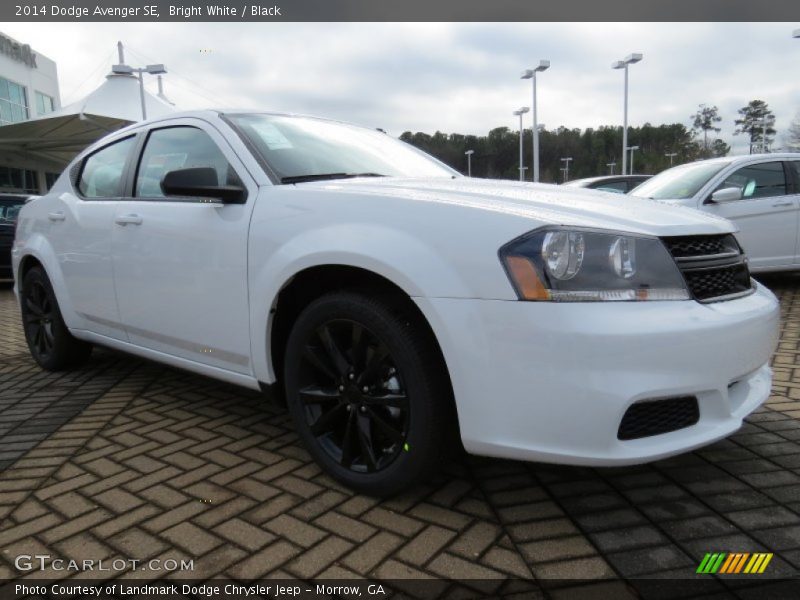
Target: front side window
x: 13, y: 102
x: 795, y: 166
x: 679, y: 183
x: 301, y: 149
x: 175, y: 148
x: 101, y: 175
x: 758, y: 181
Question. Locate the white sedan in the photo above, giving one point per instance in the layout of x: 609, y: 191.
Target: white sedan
x: 396, y: 306
x: 760, y: 193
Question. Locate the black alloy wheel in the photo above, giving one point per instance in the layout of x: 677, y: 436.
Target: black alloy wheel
x: 368, y: 392
x: 39, y: 318
x: 353, y: 396
x: 51, y: 344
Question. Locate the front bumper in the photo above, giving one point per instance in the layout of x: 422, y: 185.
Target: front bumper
x: 551, y: 382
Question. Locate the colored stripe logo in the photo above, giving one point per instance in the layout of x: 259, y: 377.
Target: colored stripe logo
x: 731, y: 563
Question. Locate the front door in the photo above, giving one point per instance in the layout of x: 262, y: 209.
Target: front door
x: 180, y: 264
x: 766, y: 214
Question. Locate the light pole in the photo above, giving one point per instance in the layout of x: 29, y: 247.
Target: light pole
x: 531, y: 74
x: 522, y: 110
x: 670, y: 155
x: 122, y: 69
x: 469, y: 154
x: 632, y: 149
x: 566, y: 162
x: 611, y: 166
x: 623, y: 64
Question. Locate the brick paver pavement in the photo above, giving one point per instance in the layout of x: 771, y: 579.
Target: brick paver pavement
x: 130, y: 459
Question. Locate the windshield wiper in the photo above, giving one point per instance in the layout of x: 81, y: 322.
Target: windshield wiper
x: 326, y: 176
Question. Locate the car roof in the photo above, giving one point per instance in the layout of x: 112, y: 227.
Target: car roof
x: 587, y: 180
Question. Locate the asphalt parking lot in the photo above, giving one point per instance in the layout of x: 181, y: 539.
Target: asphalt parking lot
x: 127, y: 458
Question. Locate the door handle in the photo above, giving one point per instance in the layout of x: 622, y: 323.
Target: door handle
x: 128, y: 220
x: 56, y: 216
x: 783, y: 203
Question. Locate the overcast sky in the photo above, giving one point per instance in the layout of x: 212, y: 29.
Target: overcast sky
x: 451, y: 77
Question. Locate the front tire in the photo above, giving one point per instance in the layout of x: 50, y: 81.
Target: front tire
x: 367, y: 392
x: 51, y: 344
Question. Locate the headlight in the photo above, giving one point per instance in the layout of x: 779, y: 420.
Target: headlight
x: 574, y: 265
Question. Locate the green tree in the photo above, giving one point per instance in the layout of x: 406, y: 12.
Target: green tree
x: 757, y: 121
x: 704, y: 120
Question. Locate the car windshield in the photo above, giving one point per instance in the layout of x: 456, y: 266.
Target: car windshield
x: 298, y: 149
x: 680, y: 182
x: 9, y: 212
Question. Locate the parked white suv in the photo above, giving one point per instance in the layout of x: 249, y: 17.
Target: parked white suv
x: 759, y: 193
x: 394, y: 302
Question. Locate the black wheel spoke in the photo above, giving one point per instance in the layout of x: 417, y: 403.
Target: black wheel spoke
x: 335, y: 355
x: 374, y: 364
x: 359, y: 341
x: 34, y: 308
x: 48, y: 337
x: 327, y: 421
x: 317, y: 395
x: 313, y: 357
x: 365, y: 443
x: 347, y: 442
x: 395, y: 400
x: 395, y: 435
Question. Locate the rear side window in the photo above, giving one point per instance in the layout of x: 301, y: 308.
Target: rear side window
x: 175, y: 148
x: 758, y: 181
x: 101, y: 175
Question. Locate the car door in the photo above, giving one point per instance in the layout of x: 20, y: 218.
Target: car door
x: 766, y: 213
x: 79, y: 224
x: 180, y: 264
x: 793, y: 169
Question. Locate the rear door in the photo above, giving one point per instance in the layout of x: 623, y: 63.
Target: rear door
x: 793, y: 169
x: 180, y: 264
x: 79, y: 226
x: 766, y: 214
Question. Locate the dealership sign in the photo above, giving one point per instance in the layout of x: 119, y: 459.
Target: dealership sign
x: 17, y: 51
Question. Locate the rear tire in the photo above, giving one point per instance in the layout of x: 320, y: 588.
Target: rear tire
x: 368, y: 393
x: 51, y: 344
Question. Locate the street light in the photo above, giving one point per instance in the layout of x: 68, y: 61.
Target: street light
x: 522, y: 110
x: 623, y: 64
x: 632, y: 149
x: 122, y: 69
x: 670, y: 155
x: 469, y: 154
x: 611, y: 166
x: 531, y: 74
x: 566, y: 162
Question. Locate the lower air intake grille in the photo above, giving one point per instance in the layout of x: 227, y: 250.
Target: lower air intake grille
x: 654, y: 417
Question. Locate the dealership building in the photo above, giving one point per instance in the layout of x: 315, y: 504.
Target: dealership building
x: 39, y: 136
x: 28, y: 89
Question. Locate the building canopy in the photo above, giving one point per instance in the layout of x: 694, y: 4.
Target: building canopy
x: 60, y: 135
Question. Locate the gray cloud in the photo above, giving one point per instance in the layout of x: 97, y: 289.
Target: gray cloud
x: 451, y: 77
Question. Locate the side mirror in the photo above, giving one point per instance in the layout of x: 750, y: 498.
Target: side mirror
x: 201, y: 182
x: 728, y: 194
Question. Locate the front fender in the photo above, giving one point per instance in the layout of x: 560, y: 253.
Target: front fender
x: 397, y: 256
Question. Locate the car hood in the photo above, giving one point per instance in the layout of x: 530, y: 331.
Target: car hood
x: 552, y: 204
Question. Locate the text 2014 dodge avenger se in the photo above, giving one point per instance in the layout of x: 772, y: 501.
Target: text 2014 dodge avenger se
x: 394, y: 302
